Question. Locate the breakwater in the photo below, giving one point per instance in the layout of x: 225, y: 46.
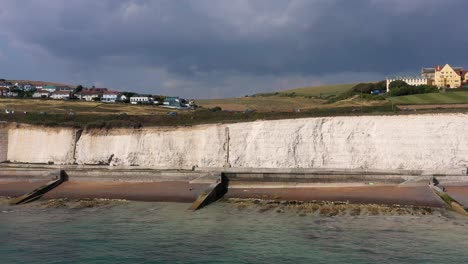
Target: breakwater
x: 431, y: 142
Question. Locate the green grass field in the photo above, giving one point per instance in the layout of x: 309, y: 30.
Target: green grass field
x: 432, y: 98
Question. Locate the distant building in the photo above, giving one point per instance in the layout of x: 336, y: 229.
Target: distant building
x: 25, y: 86
x: 50, y: 88
x: 429, y: 73
x: 61, y: 95
x: 4, y: 91
x: 6, y: 84
x: 41, y: 94
x: 448, y: 77
x: 88, y: 95
x: 100, y: 90
x: 12, y: 94
x: 64, y: 88
x: 141, y: 99
x: 440, y: 76
x: 414, y: 80
x: 111, y: 97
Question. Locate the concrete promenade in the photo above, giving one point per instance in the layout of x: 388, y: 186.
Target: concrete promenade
x: 185, y: 185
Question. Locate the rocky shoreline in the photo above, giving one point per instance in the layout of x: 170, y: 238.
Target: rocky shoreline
x: 316, y: 208
x: 331, y: 209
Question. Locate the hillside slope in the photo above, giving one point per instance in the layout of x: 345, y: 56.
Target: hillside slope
x: 40, y: 83
x: 282, y: 101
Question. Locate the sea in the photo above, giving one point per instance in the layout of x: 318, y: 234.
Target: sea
x: 224, y: 232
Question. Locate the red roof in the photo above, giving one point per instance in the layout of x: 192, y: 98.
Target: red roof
x: 42, y: 91
x: 111, y: 92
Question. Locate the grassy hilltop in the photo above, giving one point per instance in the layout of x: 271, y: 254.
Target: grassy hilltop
x: 287, y: 100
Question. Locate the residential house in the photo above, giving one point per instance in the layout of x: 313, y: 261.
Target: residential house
x: 25, y: 86
x: 41, y: 93
x: 111, y: 97
x: 64, y: 88
x: 12, y: 94
x: 100, y: 90
x: 61, y: 95
x: 448, y: 77
x: 6, y: 84
x: 141, y: 99
x: 50, y: 88
x: 4, y: 91
x: 88, y: 95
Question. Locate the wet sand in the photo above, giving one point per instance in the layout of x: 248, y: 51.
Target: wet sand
x: 180, y: 191
x: 17, y: 188
x: 144, y: 191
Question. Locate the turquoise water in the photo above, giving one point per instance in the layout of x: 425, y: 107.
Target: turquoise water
x: 140, y: 232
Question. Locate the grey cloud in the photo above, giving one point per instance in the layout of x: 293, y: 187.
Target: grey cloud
x: 256, y: 39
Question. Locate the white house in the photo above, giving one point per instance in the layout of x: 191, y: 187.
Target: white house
x: 60, y: 95
x: 141, y: 99
x: 6, y: 84
x: 4, y: 91
x: 41, y: 94
x: 88, y: 95
x: 111, y: 97
x: 416, y: 80
x: 12, y: 94
x: 25, y: 86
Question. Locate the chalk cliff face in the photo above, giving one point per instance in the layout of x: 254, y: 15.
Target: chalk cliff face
x: 3, y: 143
x: 431, y: 142
x: 369, y: 142
x: 28, y: 144
x: 203, y: 146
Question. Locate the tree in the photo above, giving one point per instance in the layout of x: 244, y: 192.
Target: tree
x: 397, y: 84
x: 363, y: 88
x: 79, y: 88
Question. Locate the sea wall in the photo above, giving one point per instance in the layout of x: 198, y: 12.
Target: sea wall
x: 410, y: 142
x: 29, y: 144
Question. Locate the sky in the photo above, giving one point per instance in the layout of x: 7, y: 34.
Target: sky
x: 227, y: 48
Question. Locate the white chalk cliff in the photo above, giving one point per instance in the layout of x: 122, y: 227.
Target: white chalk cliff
x: 411, y: 142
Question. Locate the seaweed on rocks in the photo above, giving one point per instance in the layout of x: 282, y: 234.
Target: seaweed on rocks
x: 329, y: 209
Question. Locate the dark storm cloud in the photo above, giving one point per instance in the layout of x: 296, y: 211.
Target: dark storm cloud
x: 191, y: 38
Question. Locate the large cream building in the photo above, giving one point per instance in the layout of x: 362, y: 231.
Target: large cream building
x: 440, y: 76
x: 449, y: 77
